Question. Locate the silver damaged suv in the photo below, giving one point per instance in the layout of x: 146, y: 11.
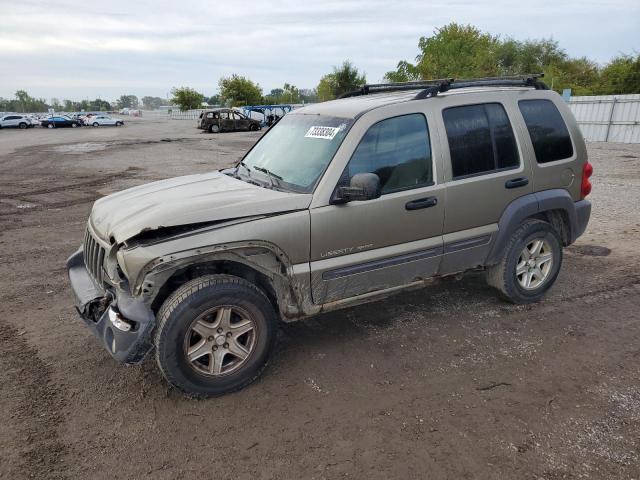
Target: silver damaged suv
x: 340, y: 203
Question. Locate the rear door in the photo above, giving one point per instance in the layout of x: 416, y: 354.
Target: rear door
x: 227, y: 121
x: 484, y: 173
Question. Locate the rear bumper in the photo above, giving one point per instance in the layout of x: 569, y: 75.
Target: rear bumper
x: 583, y: 213
x: 121, y: 323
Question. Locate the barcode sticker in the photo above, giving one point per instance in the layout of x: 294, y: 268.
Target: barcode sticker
x: 322, y: 132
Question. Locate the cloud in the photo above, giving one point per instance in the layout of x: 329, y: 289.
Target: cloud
x: 79, y: 48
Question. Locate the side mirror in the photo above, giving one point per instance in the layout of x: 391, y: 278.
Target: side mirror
x: 362, y: 186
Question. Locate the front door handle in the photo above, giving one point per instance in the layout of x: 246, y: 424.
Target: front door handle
x: 517, y: 182
x: 421, y: 203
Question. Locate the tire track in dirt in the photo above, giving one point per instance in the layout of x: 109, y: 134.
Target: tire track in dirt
x: 31, y: 414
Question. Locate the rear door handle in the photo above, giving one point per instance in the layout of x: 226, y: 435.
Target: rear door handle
x: 421, y: 203
x: 516, y: 182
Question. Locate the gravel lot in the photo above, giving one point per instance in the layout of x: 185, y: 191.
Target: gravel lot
x: 447, y: 382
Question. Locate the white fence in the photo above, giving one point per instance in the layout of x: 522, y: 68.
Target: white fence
x: 177, y: 114
x: 608, y: 118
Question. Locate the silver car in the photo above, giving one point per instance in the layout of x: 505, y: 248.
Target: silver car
x: 100, y: 120
x: 15, y: 121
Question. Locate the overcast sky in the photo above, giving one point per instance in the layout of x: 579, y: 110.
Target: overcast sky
x: 85, y: 48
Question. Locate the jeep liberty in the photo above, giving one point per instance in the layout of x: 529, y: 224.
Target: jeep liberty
x: 340, y: 203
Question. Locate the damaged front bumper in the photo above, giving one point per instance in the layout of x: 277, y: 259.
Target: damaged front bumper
x: 121, y: 322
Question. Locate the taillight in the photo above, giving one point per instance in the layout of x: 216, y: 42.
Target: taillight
x: 587, y: 171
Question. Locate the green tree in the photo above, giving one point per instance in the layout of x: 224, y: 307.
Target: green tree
x: 186, y: 98
x: 213, y: 100
x: 24, y: 103
x: 308, y: 95
x: 152, y: 103
x: 454, y: 50
x: 346, y: 78
x: 70, y: 106
x: 325, y: 88
x: 464, y: 51
x: 621, y: 75
x: 127, y: 101
x: 237, y: 90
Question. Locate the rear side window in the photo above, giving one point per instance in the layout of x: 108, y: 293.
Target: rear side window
x: 480, y: 139
x: 549, y: 134
x: 398, y: 151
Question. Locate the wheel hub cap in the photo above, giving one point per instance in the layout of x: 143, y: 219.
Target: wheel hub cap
x: 220, y: 340
x: 534, y: 264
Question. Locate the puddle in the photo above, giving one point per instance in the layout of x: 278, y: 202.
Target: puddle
x: 79, y: 148
x: 591, y: 250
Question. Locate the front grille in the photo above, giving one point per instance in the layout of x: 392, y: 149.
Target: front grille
x: 93, y: 257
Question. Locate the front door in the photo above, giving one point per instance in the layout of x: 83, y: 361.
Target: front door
x: 242, y: 123
x: 365, y: 246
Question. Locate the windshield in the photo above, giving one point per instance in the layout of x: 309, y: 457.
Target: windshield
x: 297, y: 150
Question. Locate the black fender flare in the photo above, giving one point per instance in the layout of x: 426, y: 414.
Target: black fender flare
x: 531, y: 205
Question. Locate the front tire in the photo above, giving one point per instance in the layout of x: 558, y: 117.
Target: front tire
x: 215, y: 335
x: 50, y: 125
x: 95, y: 124
x: 214, y: 129
x: 530, y: 265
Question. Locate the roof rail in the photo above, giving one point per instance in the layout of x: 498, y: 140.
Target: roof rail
x: 431, y: 88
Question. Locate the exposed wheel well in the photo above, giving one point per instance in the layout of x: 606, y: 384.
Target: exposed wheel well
x: 560, y: 221
x: 182, y: 276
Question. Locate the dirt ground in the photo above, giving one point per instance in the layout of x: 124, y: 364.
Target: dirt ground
x: 444, y: 383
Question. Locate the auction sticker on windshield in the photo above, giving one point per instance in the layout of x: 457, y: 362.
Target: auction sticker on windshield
x: 322, y: 132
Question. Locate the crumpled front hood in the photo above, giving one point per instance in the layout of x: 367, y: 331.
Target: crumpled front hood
x: 186, y: 200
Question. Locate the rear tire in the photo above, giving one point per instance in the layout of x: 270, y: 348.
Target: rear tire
x: 530, y: 264
x: 198, y: 345
x: 95, y: 124
x: 22, y: 125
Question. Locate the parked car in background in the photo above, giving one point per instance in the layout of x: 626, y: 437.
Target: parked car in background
x: 100, y: 120
x: 226, y: 120
x: 60, y: 121
x: 15, y: 121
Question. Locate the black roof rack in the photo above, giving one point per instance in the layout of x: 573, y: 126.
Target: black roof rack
x: 431, y: 88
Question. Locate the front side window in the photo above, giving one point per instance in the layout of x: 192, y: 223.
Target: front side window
x: 398, y: 151
x: 297, y: 150
x: 209, y: 115
x: 549, y: 134
x: 480, y: 139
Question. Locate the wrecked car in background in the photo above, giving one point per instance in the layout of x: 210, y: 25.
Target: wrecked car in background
x: 226, y: 120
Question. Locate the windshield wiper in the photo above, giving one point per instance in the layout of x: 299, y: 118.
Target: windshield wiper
x: 245, y: 167
x: 270, y: 174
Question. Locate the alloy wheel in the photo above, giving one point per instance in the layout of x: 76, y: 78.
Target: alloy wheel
x: 220, y: 340
x: 534, y: 264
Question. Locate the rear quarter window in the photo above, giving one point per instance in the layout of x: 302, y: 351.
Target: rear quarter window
x: 549, y: 134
